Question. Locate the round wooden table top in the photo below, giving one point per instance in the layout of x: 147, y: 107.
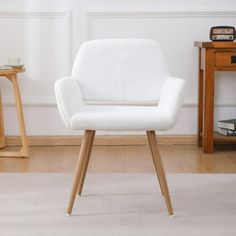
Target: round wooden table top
x: 11, y: 71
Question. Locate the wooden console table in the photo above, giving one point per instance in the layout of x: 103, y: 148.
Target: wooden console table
x: 24, y: 151
x: 213, y: 56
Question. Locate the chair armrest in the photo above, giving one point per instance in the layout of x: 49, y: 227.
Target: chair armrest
x: 68, y: 98
x: 172, y: 98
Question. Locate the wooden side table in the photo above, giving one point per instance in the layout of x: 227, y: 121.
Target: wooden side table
x: 24, y: 151
x: 213, y: 56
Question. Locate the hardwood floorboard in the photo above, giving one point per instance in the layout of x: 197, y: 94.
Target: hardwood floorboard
x: 106, y: 158
x: 124, y: 159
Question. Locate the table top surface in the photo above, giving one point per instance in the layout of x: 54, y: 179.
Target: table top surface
x: 11, y: 71
x: 211, y: 44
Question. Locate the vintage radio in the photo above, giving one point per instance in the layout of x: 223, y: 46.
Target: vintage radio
x: 222, y: 33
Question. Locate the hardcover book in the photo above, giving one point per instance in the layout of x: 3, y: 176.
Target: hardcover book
x: 227, y: 132
x: 227, y: 124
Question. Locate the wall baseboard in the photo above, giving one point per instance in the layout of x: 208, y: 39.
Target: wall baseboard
x: 112, y: 140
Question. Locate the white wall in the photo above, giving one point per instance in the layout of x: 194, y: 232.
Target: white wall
x: 48, y: 33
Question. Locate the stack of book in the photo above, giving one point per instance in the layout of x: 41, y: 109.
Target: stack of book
x: 227, y: 127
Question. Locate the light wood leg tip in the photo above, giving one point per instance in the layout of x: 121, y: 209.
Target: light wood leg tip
x: 171, y: 215
x: 68, y: 214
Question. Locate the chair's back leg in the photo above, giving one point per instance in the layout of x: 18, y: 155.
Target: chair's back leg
x: 159, y: 169
x: 85, y: 151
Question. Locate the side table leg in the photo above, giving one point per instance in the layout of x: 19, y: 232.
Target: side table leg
x: 2, y: 137
x: 208, y: 137
x: 25, y: 147
x: 200, y: 101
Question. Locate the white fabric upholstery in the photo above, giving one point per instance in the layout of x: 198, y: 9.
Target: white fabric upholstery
x: 81, y: 102
x: 68, y: 97
x: 120, y: 70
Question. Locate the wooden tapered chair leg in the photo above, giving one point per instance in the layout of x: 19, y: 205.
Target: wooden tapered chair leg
x: 85, y: 167
x: 155, y: 164
x: 159, y: 169
x: 85, y: 150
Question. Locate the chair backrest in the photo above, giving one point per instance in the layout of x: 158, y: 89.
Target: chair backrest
x: 120, y: 71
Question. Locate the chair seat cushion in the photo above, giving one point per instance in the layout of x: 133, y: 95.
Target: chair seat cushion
x: 120, y: 118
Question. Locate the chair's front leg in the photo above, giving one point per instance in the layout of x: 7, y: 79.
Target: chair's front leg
x: 85, y: 166
x: 154, y: 161
x: 159, y: 169
x: 85, y: 151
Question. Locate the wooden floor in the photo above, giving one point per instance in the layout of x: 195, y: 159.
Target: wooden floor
x: 176, y: 158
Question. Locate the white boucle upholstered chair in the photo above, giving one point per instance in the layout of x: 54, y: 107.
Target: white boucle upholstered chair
x: 119, y: 85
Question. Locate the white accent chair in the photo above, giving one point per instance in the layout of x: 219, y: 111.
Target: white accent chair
x: 115, y: 85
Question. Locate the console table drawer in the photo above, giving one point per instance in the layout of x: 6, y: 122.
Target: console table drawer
x: 225, y: 59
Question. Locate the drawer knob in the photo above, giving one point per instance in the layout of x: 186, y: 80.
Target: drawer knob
x: 233, y: 59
